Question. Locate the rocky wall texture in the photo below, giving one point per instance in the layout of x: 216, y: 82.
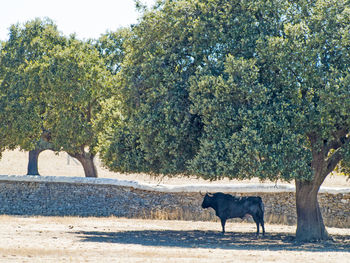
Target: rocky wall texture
x: 78, y: 199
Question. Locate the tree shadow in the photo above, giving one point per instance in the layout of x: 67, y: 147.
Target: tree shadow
x: 211, y: 239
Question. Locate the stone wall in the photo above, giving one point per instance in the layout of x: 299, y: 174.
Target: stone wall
x: 88, y: 198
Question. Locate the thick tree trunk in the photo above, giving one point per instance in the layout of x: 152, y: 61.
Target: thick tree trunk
x: 89, y: 166
x: 310, y: 226
x: 33, y: 162
x: 42, y: 145
x: 87, y: 161
x: 326, y: 155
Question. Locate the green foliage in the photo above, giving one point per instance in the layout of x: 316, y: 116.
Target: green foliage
x: 111, y: 47
x: 51, y: 86
x: 75, y: 83
x: 235, y: 89
x: 217, y: 88
x: 218, y: 100
x: 21, y: 105
x: 119, y: 147
x: 295, y: 122
x: 174, y: 42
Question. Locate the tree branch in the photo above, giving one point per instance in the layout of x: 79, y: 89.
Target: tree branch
x: 332, y: 162
x: 296, y: 77
x: 340, y: 139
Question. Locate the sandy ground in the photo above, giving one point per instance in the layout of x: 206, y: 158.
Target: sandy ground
x: 73, y: 239
x: 51, y: 164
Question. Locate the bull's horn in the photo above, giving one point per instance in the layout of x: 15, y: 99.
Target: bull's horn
x: 200, y: 192
x: 210, y: 194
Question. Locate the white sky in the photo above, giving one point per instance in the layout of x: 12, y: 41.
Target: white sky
x: 86, y: 18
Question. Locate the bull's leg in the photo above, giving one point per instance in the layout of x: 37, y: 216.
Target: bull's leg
x: 223, y: 222
x: 257, y: 221
x: 262, y: 226
x: 260, y: 219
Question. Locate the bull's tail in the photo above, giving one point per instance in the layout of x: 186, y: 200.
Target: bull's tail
x: 261, y: 205
x: 262, y: 210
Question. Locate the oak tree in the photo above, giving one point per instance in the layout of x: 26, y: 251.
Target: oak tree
x: 285, y: 113
x: 22, y: 105
x: 75, y: 83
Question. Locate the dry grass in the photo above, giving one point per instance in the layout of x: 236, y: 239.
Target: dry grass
x: 74, y: 239
x: 175, y: 214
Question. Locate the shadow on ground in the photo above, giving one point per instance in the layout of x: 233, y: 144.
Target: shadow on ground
x: 211, y: 239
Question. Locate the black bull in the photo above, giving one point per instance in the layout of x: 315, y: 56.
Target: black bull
x: 227, y: 206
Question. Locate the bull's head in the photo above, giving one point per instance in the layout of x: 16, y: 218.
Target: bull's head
x: 207, y: 200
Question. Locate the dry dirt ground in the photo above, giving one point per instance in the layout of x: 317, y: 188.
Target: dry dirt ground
x: 74, y: 239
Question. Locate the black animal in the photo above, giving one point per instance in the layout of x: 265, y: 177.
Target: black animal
x: 227, y: 206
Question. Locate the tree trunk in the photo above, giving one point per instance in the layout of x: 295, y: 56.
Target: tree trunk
x: 87, y: 161
x: 33, y: 162
x: 310, y: 226
x: 42, y: 145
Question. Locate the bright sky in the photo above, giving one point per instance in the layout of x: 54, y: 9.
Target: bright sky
x: 86, y: 18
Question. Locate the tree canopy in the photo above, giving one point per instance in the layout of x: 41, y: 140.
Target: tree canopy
x: 111, y: 48
x: 167, y: 48
x: 24, y: 107
x: 53, y: 87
